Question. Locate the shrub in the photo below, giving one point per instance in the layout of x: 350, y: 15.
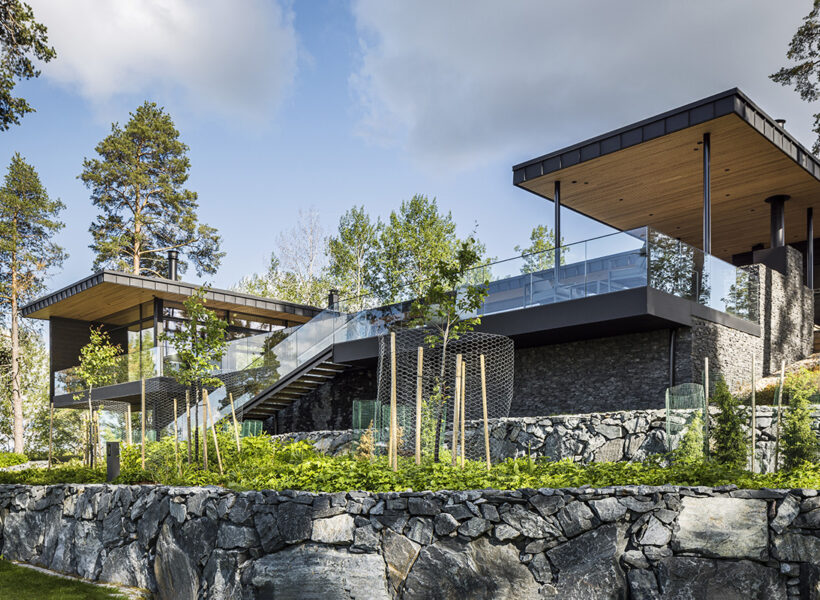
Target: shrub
x: 691, y: 446
x: 729, y: 442
x: 9, y: 459
x: 798, y: 440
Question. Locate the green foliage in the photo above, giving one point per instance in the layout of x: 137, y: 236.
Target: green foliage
x: 798, y: 441
x: 537, y: 256
x: 199, y: 343
x: 138, y: 184
x: 23, y: 583
x: 690, y: 449
x: 412, y: 243
x: 804, y: 50
x: 9, y: 459
x: 98, y: 361
x: 351, y: 253
x: 265, y: 464
x: 729, y: 443
x: 22, y: 39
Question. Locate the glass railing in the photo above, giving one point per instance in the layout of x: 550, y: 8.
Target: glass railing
x: 127, y: 367
x: 620, y: 261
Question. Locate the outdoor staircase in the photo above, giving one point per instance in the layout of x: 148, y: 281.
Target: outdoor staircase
x: 293, y: 386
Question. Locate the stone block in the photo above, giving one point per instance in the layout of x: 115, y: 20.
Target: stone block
x: 723, y: 527
x: 692, y: 577
x: 333, y: 530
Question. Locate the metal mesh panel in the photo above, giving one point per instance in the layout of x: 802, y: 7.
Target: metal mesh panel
x: 683, y: 403
x: 438, y: 376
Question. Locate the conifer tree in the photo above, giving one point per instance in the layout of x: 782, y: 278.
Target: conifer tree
x: 799, y: 442
x: 138, y: 184
x: 730, y: 445
x: 28, y: 222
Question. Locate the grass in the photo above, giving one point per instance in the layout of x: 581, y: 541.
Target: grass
x: 21, y: 583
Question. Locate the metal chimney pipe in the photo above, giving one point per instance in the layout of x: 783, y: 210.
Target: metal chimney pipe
x: 173, y: 260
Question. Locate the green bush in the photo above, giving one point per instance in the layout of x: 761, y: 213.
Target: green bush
x: 729, y: 443
x: 798, y: 440
x: 9, y: 459
x: 265, y: 464
x: 691, y: 446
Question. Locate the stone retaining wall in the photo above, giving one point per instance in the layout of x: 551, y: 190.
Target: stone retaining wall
x: 618, y: 542
x: 595, y: 437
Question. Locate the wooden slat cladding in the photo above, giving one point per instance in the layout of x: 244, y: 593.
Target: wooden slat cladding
x: 660, y: 183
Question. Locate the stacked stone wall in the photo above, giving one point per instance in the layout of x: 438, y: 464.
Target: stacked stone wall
x: 616, y: 542
x: 596, y: 437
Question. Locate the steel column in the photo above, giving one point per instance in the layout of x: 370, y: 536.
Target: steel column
x: 778, y: 220
x: 557, y: 229
x: 707, y: 194
x: 810, y: 247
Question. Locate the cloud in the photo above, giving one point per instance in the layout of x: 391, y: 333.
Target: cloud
x: 461, y: 84
x: 235, y: 58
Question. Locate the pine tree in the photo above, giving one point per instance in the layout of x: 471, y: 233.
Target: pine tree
x: 21, y: 40
x: 798, y: 440
x: 28, y: 221
x: 138, y: 185
x: 730, y: 444
x: 691, y: 446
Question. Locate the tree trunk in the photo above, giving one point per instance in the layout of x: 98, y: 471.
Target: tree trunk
x: 442, y: 387
x: 16, y: 395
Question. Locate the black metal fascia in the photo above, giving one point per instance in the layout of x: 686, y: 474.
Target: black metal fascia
x: 732, y: 101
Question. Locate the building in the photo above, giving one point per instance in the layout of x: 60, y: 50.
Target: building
x: 713, y: 255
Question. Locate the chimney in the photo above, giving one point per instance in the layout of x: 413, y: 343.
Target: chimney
x: 173, y: 257
x: 781, y: 122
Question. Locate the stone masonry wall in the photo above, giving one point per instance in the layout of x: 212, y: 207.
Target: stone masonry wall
x: 596, y: 437
x: 617, y: 542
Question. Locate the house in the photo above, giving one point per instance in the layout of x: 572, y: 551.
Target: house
x: 712, y: 256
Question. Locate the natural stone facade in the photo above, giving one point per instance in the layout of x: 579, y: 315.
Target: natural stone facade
x: 617, y: 542
x: 595, y: 437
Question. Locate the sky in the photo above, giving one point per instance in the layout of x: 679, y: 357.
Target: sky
x: 328, y: 104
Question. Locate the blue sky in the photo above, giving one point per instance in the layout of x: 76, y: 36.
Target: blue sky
x: 329, y: 104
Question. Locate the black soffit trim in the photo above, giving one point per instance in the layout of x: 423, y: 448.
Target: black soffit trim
x: 729, y: 102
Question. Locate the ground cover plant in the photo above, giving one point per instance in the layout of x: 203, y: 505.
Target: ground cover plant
x: 21, y: 583
x: 265, y: 464
x: 9, y: 459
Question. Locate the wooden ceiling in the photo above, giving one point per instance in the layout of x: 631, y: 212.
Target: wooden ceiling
x: 659, y: 183
x: 102, y: 297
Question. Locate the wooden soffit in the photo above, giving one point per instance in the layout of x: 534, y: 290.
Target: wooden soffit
x: 109, y: 292
x: 651, y: 173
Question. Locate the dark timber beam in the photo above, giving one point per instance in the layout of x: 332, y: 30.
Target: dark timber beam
x: 707, y: 194
x: 778, y: 220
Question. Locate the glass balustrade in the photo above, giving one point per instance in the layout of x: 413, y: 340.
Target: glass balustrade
x: 611, y: 263
x: 127, y: 367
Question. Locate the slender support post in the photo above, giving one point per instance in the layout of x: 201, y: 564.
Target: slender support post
x: 557, y: 231
x: 777, y: 425
x: 777, y: 232
x: 456, y: 406
x: 176, y: 440
x: 706, y: 406
x: 419, y: 382
x: 188, y: 422
x: 97, y: 436
x: 754, y: 418
x: 235, y: 423
x: 666, y: 423
x: 50, y: 431
x: 463, y: 410
x: 142, y: 424
x: 129, y: 435
x: 394, y: 446
x: 204, y: 429
x: 210, y: 414
x: 484, y: 411
x: 810, y: 248
x: 707, y: 194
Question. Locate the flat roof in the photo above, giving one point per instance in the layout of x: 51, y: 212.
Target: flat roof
x: 108, y: 292
x: 651, y: 173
